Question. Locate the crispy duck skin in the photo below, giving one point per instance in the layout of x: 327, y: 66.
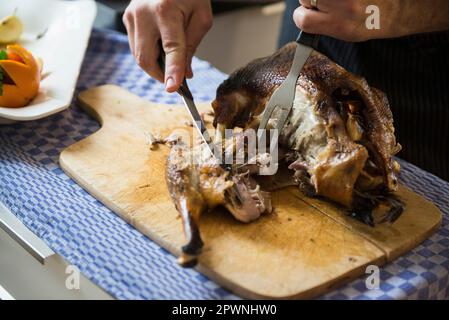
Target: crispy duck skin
x: 340, y: 131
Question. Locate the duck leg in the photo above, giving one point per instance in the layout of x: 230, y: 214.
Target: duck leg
x: 183, y: 184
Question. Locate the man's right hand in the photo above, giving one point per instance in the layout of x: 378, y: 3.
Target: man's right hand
x: 180, y: 24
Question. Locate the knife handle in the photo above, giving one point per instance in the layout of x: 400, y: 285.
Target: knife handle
x: 308, y: 39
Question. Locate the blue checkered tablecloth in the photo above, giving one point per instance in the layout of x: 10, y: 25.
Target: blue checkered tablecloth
x: 120, y: 259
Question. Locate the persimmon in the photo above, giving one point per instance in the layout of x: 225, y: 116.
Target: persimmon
x: 21, y: 77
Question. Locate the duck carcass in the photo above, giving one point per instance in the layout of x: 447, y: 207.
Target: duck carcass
x: 338, y: 144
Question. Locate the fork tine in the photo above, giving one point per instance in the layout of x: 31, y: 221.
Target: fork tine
x: 266, y: 117
x: 282, y: 119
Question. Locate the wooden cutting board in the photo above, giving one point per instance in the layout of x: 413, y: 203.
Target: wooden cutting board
x: 305, y: 248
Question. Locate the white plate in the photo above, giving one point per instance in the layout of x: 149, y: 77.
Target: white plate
x: 62, y: 48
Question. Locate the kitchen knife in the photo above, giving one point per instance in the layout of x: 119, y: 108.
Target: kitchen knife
x: 284, y: 95
x: 198, y: 122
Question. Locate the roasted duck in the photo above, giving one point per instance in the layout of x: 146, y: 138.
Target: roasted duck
x: 337, y: 144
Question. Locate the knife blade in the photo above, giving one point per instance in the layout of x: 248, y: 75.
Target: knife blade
x: 189, y: 102
x: 284, y: 95
x: 196, y: 117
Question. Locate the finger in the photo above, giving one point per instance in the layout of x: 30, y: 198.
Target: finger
x: 313, y: 21
x: 146, y: 48
x: 200, y: 24
x: 321, y: 5
x: 128, y: 21
x: 306, y: 3
x: 174, y: 44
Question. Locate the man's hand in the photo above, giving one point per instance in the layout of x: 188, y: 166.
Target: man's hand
x: 181, y: 24
x: 345, y: 19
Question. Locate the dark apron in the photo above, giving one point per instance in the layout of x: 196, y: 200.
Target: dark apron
x: 414, y: 73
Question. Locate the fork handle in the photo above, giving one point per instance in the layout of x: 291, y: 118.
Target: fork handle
x: 161, y: 57
x: 308, y: 39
